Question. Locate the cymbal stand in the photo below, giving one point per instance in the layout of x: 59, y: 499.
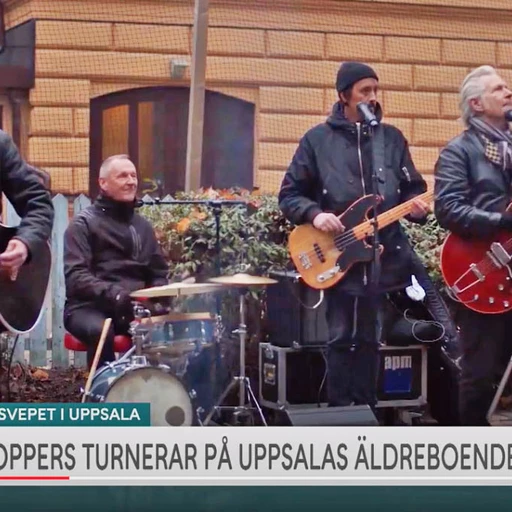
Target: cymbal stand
x: 245, y: 392
x: 138, y: 335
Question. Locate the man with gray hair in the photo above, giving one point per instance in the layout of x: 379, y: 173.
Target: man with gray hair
x: 473, y: 180
x: 109, y: 251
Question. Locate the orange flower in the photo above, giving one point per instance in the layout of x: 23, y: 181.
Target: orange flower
x: 196, y: 214
x: 183, y: 225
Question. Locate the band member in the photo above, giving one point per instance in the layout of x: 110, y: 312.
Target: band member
x: 330, y: 170
x: 473, y: 189
x: 31, y: 201
x: 109, y: 251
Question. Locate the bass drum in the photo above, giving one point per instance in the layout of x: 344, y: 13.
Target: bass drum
x: 126, y: 382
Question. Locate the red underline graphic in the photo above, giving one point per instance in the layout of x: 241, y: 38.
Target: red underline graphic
x: 34, y: 477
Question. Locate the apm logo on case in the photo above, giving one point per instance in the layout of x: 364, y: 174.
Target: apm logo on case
x: 397, y: 362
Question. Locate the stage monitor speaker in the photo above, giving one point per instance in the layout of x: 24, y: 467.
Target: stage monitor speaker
x: 352, y: 415
x: 292, y: 321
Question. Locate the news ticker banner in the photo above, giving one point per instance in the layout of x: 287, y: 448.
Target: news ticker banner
x: 75, y: 415
x: 97, y: 452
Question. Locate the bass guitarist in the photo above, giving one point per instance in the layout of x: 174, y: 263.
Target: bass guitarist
x: 473, y: 179
x: 332, y: 168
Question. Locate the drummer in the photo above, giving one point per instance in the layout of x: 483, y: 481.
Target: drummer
x: 110, y: 251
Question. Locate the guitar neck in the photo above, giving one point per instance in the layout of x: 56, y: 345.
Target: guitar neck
x: 390, y: 216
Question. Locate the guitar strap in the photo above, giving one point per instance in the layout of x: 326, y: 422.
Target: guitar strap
x: 379, y: 159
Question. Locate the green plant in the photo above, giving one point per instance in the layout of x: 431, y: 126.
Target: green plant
x: 254, y: 235
x: 427, y: 241
x: 253, y: 239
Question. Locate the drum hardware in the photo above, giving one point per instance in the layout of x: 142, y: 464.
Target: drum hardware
x: 247, y: 400
x: 135, y: 331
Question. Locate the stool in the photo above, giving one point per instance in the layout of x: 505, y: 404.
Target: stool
x: 122, y: 343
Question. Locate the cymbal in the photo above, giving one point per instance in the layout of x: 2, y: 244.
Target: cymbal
x: 175, y: 290
x: 242, y: 280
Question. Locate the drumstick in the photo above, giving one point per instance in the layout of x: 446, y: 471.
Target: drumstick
x: 99, y: 350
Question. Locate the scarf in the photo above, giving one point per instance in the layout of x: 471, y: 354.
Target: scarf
x: 497, y: 143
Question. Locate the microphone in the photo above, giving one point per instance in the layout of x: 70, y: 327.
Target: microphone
x: 366, y: 112
x: 508, y: 115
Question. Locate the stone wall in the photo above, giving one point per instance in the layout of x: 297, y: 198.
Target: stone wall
x: 281, y: 55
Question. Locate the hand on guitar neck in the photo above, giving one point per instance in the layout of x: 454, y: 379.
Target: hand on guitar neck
x: 419, y: 209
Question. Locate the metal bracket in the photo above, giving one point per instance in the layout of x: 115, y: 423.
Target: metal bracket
x: 501, y: 255
x: 328, y: 274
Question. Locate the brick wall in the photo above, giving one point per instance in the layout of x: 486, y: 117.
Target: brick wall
x: 282, y: 59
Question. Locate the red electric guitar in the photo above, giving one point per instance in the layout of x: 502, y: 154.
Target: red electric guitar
x: 478, y: 272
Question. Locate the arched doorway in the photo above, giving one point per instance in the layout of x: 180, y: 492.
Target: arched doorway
x: 150, y: 125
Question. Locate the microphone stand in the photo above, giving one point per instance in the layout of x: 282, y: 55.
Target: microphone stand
x: 375, y: 262
x: 377, y: 157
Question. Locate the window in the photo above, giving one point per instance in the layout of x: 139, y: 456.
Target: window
x: 151, y: 124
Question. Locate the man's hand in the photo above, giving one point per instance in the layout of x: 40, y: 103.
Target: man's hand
x: 123, y: 308
x: 420, y: 209
x: 14, y: 255
x: 328, y: 222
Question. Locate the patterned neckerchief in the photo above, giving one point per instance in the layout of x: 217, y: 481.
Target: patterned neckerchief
x: 497, y: 143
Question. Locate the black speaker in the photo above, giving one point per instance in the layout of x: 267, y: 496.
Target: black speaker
x: 352, y: 415
x: 293, y: 321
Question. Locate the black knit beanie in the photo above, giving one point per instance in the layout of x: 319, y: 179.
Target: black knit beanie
x: 351, y: 72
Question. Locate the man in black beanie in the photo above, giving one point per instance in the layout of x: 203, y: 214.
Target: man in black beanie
x: 332, y: 168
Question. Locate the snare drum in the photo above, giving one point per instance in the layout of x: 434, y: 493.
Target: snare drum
x: 172, y: 403
x: 179, y: 333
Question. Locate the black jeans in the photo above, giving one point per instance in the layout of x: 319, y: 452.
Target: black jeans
x: 86, y: 325
x: 486, y: 349
x: 353, y: 351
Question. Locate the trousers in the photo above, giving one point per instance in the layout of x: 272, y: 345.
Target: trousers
x: 86, y: 325
x: 354, y: 324
x: 486, y: 347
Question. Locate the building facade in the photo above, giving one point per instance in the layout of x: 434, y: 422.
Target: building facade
x: 104, y: 81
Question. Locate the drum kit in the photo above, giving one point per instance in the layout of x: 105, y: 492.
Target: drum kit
x: 171, y: 365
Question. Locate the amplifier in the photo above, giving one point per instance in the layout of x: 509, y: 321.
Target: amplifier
x: 292, y: 318
x: 297, y: 376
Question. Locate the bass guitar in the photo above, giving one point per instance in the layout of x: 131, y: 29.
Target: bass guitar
x: 22, y: 295
x: 323, y: 259
x: 477, y: 272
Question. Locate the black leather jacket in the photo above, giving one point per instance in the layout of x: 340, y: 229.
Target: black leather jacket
x: 331, y: 169
x: 470, y: 192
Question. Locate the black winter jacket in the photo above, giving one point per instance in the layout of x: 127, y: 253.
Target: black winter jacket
x: 470, y: 192
x: 28, y: 195
x: 332, y: 168
x: 108, y: 249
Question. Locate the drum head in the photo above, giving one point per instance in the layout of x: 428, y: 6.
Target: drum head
x: 170, y: 402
